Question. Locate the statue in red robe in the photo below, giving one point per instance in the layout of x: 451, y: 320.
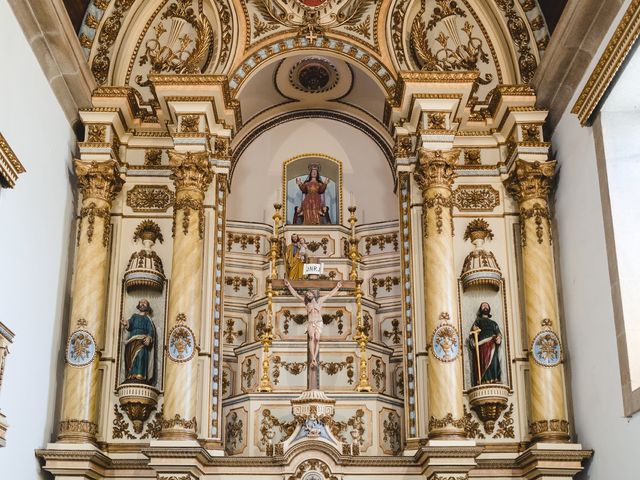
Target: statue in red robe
x: 312, y: 202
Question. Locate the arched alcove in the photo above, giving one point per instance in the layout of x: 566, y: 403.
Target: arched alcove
x: 257, y: 177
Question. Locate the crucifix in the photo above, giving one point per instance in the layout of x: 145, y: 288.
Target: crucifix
x: 313, y: 303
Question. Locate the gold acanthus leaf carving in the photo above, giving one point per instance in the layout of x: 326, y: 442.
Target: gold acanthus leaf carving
x: 178, y: 421
x: 244, y: 240
x: 186, y: 204
x: 380, y: 241
x: 96, y: 133
x: 436, y: 168
x: 190, y: 170
x: 540, y: 214
x: 505, y: 426
x: 527, y: 62
x: 90, y: 212
x: 530, y: 180
x: 99, y: 180
x: 120, y: 425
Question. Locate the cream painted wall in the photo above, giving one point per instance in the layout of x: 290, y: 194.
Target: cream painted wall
x: 35, y: 219
x: 258, y: 173
x: 591, y: 349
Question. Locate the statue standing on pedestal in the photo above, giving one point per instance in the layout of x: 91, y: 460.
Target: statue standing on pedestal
x: 140, y: 347
x: 313, y: 302
x: 485, y: 341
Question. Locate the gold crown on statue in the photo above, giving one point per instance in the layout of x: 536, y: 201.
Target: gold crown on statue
x: 314, y: 166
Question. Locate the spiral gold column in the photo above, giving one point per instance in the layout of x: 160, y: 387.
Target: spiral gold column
x: 434, y: 174
x: 191, y: 175
x: 529, y: 184
x: 99, y: 183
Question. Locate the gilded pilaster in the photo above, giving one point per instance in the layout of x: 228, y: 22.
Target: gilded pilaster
x: 529, y: 184
x: 99, y: 183
x: 191, y: 175
x: 435, y: 174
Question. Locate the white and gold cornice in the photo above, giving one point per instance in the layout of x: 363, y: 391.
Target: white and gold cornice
x: 623, y: 39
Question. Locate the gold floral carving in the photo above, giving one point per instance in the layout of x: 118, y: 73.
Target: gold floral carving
x: 397, y: 22
x: 505, y: 426
x: 189, y: 123
x: 614, y: 55
x: 395, y: 334
x: 387, y: 282
x: 153, y: 428
x: 188, y: 203
x: 379, y: 374
x: 471, y: 426
x: 356, y: 423
x: 153, y: 157
x: 438, y: 423
x: 96, y: 133
x: 527, y: 62
x: 244, y: 240
x: 90, y: 212
x: 150, y: 198
x: 391, y: 433
x: 478, y: 228
x: 314, y: 246
x: 237, y: 281
x: 436, y: 121
x: 79, y: 426
x: 539, y: 213
x: 99, y: 180
x: 230, y: 333
x: 483, y: 198
x: 472, y: 156
x: 294, y: 368
x: 10, y: 166
x: 106, y: 38
x: 403, y: 147
x: 333, y: 368
x: 530, y: 180
x: 313, y: 465
x: 248, y: 372
x: 270, y: 422
x: 233, y: 434
x: 178, y: 421
x: 530, y: 132
x: 542, y: 427
x: 120, y: 425
x: 439, y: 202
x: 380, y: 241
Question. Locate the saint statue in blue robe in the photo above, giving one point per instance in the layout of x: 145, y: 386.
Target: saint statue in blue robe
x: 140, y: 346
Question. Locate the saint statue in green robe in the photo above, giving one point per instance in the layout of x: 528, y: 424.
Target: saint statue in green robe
x: 140, y: 346
x: 485, y: 341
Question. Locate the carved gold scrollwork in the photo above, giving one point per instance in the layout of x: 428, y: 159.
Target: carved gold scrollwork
x: 244, y: 240
x: 439, y: 202
x: 521, y: 38
x: 236, y: 282
x: 270, y: 422
x: 90, y: 212
x: 482, y: 198
x: 150, y: 198
x: 188, y: 203
x: 395, y: 334
x: 230, y: 334
x: 387, y: 282
x: 539, y: 213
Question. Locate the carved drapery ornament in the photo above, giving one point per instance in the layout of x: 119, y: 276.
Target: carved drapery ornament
x: 530, y: 180
x: 99, y: 180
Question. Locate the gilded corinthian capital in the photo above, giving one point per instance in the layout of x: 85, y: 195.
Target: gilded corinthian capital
x: 98, y: 179
x: 191, y: 170
x: 530, y: 180
x: 436, y: 168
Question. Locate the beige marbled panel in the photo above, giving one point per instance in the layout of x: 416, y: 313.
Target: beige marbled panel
x: 547, y: 383
x: 185, y: 297
x: 80, y: 402
x: 444, y: 378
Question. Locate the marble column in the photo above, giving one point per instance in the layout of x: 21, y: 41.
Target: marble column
x: 99, y: 183
x: 529, y: 184
x: 192, y: 175
x: 435, y: 174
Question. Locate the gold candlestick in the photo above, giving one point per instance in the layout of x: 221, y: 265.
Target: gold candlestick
x: 353, y: 244
x: 275, y: 239
x: 266, y: 339
x: 361, y: 339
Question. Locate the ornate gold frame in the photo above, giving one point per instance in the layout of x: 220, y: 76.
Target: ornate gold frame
x: 286, y: 163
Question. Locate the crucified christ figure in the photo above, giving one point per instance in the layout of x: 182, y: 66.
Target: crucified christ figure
x: 313, y: 301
